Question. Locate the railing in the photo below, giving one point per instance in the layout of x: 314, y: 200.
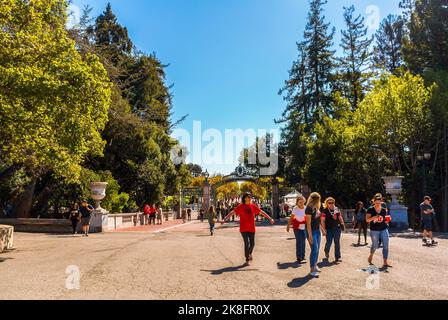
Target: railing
x: 129, y: 220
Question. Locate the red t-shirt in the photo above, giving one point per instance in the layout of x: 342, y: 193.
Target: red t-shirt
x: 147, y: 209
x: 247, y: 213
x: 152, y: 211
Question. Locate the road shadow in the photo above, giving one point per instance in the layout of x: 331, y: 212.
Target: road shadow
x: 326, y: 263
x: 4, y: 259
x: 289, y: 239
x: 359, y: 245
x: 229, y: 269
x: 287, y: 265
x: 203, y: 235
x: 300, y: 282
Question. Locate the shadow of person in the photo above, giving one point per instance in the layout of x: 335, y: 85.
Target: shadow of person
x: 299, y: 282
x: 325, y: 263
x: 4, y: 259
x: 242, y: 267
x: 287, y: 265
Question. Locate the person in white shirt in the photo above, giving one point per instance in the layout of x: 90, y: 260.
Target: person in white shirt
x: 298, y: 222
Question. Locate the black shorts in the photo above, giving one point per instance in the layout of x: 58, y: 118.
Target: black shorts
x: 427, y: 223
x: 85, y: 221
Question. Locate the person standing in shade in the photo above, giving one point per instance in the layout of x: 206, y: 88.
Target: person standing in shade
x: 166, y: 214
x: 86, y: 211
x: 212, y: 219
x: 152, y: 214
x: 298, y: 222
x: 313, y: 225
x: 75, y: 218
x: 427, y: 212
x: 332, y: 227
x: 360, y: 222
x: 159, y: 214
x: 189, y: 213
x: 247, y: 212
x: 201, y: 215
x: 146, y: 212
x: 378, y: 218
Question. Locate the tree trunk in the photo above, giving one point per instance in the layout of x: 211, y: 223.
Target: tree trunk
x: 445, y: 184
x: 25, y: 201
x: 413, y: 200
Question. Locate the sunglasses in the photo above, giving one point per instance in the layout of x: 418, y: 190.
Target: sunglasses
x: 330, y: 202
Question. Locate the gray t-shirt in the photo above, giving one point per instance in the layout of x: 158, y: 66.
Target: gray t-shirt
x: 424, y: 207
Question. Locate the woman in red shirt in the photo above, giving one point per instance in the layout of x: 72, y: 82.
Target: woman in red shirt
x: 247, y: 212
x: 152, y: 214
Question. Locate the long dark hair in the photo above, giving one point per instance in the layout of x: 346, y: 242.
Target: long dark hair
x: 243, y: 199
x: 359, y: 206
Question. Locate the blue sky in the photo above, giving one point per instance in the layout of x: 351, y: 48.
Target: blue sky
x: 228, y: 58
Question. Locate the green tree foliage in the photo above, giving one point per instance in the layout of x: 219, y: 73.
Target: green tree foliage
x: 347, y: 157
x: 389, y: 38
x: 355, y: 72
x: 308, y: 91
x: 426, y: 43
x: 54, y: 101
x: 138, y: 148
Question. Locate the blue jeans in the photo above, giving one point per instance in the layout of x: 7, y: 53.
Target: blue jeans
x: 384, y: 236
x: 314, y: 256
x: 300, y: 244
x: 334, y: 235
x: 212, y: 226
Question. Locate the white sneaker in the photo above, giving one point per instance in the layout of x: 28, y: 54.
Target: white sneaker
x: 318, y: 269
x: 314, y: 274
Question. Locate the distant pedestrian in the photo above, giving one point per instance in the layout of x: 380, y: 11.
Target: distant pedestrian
x: 75, y: 217
x: 184, y: 215
x: 212, y: 219
x: 189, y: 214
x: 247, y: 212
x: 360, y: 223
x: 427, y: 213
x: 313, y: 225
x: 166, y: 214
x: 298, y: 223
x: 152, y: 214
x: 86, y: 211
x: 159, y: 214
x: 146, y: 212
x: 201, y: 215
x: 332, y: 227
x: 378, y: 218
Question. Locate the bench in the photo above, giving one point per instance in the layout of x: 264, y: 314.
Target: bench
x: 6, y: 237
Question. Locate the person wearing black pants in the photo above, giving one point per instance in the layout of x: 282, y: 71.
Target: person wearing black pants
x: 359, y: 219
x: 249, y: 244
x: 75, y: 217
x: 247, y: 212
x: 332, y: 226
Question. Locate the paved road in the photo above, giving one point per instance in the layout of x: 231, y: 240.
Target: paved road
x: 186, y: 263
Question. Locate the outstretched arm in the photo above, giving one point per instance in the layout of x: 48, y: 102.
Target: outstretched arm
x: 232, y: 213
x: 268, y: 217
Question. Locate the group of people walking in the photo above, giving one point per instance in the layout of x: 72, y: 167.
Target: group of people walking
x: 81, y: 214
x: 311, y: 220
